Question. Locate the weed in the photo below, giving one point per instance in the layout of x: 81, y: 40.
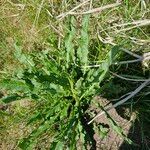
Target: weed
x: 65, y: 85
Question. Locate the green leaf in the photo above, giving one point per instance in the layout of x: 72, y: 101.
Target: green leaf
x: 59, y: 146
x: 10, y: 98
x: 14, y: 85
x: 101, y: 130
x: 69, y: 127
x: 81, y: 132
x: 113, y: 54
x: 83, y: 51
x: 64, y: 112
x: 26, y: 144
x: 25, y: 59
x: 40, y: 130
x: 70, y: 54
x: 34, y: 118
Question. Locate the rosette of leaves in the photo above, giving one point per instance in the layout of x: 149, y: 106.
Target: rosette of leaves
x: 63, y: 86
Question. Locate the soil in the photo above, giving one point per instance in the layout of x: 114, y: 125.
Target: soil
x: 113, y: 141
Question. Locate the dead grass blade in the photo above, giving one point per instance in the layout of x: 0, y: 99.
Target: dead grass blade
x: 127, y: 79
x: 96, y: 10
x: 139, y: 24
x: 131, y: 53
x: 61, y: 16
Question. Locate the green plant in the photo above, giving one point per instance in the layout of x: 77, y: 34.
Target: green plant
x: 63, y: 84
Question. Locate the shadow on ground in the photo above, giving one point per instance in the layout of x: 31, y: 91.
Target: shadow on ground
x: 138, y: 131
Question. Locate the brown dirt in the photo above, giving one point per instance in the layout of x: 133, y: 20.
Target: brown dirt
x: 113, y: 141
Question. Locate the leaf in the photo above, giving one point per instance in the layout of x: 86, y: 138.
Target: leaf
x: 25, y: 59
x: 54, y: 88
x: 69, y: 127
x: 83, y: 51
x: 78, y: 86
x: 101, y: 130
x: 113, y: 54
x: 70, y: 54
x: 34, y: 118
x: 26, y: 144
x: 59, y: 146
x: 72, y: 141
x: 81, y: 132
x: 10, y: 98
x: 64, y: 111
x: 14, y: 85
x: 18, y: 52
x: 40, y: 130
